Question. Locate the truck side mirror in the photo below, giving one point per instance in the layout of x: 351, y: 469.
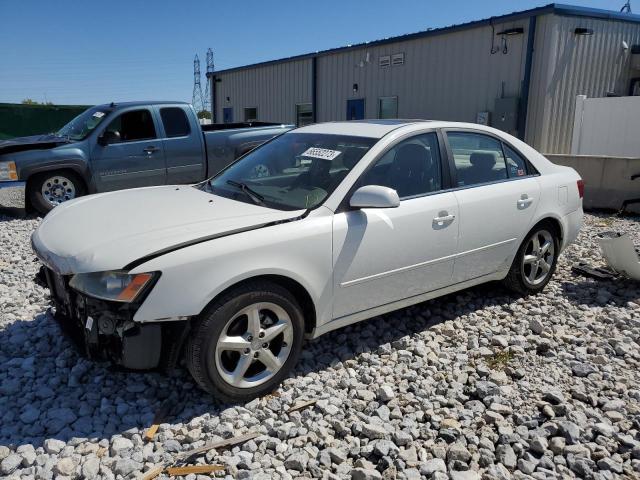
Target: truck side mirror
x: 108, y: 137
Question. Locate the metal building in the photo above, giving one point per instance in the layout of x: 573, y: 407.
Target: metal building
x: 519, y: 72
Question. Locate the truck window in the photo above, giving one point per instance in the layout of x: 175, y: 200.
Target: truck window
x: 250, y: 114
x: 175, y: 122
x: 132, y: 126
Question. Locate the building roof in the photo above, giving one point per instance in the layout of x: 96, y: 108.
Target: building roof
x: 555, y: 8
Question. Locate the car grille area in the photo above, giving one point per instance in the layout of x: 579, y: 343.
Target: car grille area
x: 100, y: 329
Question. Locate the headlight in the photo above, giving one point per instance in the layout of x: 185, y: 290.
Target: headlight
x: 8, y: 171
x: 114, y: 286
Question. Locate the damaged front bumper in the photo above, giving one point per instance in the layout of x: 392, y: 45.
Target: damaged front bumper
x: 12, y: 194
x: 105, y: 330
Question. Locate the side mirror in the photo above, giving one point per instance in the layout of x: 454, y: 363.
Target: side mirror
x: 107, y: 137
x: 374, y: 196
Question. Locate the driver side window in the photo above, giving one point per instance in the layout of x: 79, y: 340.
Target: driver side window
x: 411, y: 168
x: 132, y: 126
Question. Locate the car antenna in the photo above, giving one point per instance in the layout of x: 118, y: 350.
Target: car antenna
x: 112, y: 104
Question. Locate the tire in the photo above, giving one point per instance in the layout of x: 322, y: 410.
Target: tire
x: 216, y: 365
x: 67, y: 186
x: 532, y: 255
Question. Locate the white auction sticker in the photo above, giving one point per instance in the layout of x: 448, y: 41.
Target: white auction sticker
x: 321, y: 153
x: 98, y: 114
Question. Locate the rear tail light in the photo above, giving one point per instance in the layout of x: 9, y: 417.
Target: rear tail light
x: 581, y: 188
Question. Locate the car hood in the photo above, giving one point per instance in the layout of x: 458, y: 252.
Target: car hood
x: 34, y: 142
x: 109, y: 231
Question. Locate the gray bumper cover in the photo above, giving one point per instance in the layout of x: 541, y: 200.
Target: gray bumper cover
x: 12, y: 194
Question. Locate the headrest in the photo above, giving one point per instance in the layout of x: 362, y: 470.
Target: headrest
x: 412, y: 156
x: 485, y: 160
x: 351, y: 156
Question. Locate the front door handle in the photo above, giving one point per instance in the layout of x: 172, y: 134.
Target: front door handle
x: 443, y: 217
x: 524, y: 201
x: 151, y: 149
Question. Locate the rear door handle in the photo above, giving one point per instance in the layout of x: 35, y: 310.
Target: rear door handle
x: 151, y: 149
x: 524, y: 201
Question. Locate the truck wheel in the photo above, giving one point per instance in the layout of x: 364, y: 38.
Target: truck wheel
x: 246, y: 343
x: 535, y: 261
x: 49, y: 189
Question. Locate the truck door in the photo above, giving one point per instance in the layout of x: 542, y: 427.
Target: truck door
x: 130, y: 154
x: 183, y: 145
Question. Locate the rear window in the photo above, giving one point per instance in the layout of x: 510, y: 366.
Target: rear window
x: 175, y: 122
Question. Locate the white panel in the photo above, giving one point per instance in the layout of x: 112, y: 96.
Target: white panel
x: 607, y: 126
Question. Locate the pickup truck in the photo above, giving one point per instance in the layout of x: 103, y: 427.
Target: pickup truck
x: 118, y: 146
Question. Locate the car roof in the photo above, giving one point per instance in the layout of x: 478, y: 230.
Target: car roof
x: 141, y: 103
x: 375, y: 128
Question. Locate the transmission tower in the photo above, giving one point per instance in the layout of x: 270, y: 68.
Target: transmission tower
x: 626, y: 8
x: 207, y: 90
x: 196, y: 100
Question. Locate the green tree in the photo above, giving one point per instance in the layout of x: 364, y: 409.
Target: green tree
x: 29, y: 101
x: 204, y: 114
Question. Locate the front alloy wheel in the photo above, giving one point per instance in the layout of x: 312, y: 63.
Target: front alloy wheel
x: 254, y: 345
x: 246, y: 342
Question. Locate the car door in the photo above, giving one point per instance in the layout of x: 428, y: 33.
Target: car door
x: 133, y: 156
x: 183, y: 145
x: 497, y: 194
x: 385, y: 255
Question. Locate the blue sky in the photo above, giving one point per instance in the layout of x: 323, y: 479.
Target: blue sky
x: 87, y: 52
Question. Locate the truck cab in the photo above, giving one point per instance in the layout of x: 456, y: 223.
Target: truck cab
x: 119, y: 146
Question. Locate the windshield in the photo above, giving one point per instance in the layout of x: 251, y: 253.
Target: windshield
x: 81, y: 126
x: 293, y: 171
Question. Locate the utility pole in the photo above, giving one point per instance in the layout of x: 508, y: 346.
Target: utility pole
x: 196, y: 99
x: 208, y: 92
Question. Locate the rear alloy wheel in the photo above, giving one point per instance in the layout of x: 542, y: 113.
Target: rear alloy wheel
x: 538, y: 258
x: 246, y: 342
x: 535, y: 261
x: 50, y: 189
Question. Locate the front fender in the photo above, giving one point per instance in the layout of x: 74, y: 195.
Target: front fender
x: 32, y: 162
x: 194, y: 276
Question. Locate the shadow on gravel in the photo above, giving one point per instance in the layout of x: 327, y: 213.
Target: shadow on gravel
x: 48, y: 390
x: 7, y: 214
x: 598, y: 293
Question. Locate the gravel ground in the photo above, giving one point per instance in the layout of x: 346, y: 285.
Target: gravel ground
x: 479, y: 384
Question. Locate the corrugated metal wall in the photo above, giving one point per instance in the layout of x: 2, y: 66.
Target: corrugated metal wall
x: 566, y: 65
x: 273, y: 89
x: 451, y: 76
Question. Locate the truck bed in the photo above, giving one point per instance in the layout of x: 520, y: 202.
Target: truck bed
x: 225, y: 142
x: 213, y: 127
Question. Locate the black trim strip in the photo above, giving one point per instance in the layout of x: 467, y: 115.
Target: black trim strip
x: 207, y: 238
x: 526, y: 81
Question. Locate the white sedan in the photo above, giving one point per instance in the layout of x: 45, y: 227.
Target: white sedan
x: 319, y: 228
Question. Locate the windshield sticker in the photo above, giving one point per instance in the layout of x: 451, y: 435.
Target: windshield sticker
x: 321, y: 153
x: 98, y: 114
